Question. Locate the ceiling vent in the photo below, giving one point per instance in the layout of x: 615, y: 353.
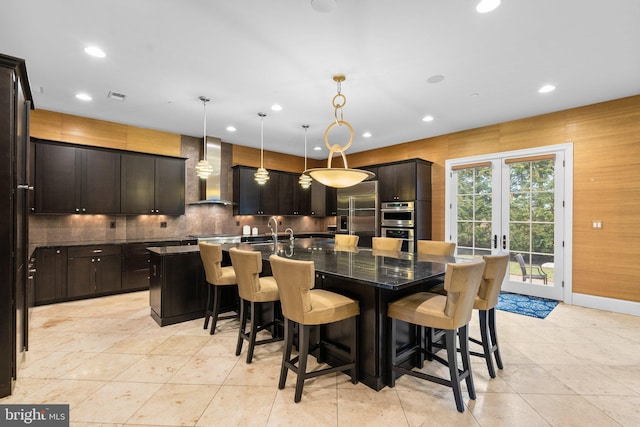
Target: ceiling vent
x: 116, y: 96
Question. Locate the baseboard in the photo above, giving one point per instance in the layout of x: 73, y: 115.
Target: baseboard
x: 609, y: 304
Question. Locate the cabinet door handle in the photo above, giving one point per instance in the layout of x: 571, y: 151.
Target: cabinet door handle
x: 93, y: 260
x: 77, y: 210
x: 98, y: 259
x: 154, y: 270
x: 97, y: 251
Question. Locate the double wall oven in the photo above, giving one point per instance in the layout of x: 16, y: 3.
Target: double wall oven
x: 398, y: 221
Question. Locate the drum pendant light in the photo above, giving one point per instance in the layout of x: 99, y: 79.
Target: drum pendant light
x: 204, y: 168
x: 262, y: 175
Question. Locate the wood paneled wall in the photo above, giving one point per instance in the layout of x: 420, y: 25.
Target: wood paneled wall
x: 606, y: 141
x: 81, y: 130
x: 248, y: 156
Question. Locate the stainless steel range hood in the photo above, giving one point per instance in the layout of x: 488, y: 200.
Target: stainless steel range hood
x: 213, y: 188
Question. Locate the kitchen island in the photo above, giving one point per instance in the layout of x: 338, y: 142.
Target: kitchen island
x: 374, y: 278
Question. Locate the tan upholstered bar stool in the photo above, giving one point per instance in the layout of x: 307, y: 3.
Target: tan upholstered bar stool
x: 217, y: 276
x: 386, y: 243
x: 436, y: 247
x: 450, y: 314
x: 307, y: 307
x: 347, y: 240
x: 485, y: 302
x: 253, y: 290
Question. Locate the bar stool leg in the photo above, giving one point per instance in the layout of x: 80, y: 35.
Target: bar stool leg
x: 463, y: 336
x: 243, y: 324
x: 286, y: 355
x: 216, y: 308
x: 486, y: 341
x: 253, y: 332
x: 207, y: 313
x: 450, y: 340
x: 354, y: 349
x: 494, y: 337
x: 392, y: 351
x: 302, y: 360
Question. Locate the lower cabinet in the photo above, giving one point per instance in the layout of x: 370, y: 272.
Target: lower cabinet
x: 93, y: 270
x: 71, y: 272
x: 51, y: 275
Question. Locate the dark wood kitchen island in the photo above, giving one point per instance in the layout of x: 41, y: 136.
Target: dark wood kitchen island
x: 178, y: 289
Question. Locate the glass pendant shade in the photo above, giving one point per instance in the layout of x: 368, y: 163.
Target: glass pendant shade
x: 204, y: 168
x: 262, y: 175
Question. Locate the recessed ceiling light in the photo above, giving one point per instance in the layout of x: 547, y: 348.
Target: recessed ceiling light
x: 428, y: 118
x: 231, y: 129
x: 547, y: 89
x: 366, y: 135
x: 276, y: 107
x: 83, y: 96
x: 323, y: 6
x: 486, y: 6
x: 94, y: 51
x: 317, y: 148
x: 435, y: 79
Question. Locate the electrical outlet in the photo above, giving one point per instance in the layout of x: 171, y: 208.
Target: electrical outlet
x: 163, y: 224
x: 112, y: 224
x: 237, y: 223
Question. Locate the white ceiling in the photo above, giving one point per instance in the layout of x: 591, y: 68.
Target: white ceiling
x: 249, y: 54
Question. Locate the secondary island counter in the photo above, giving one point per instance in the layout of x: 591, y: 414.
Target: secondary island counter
x: 374, y: 278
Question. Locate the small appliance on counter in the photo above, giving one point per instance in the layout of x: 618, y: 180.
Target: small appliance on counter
x: 254, y: 232
x: 246, y: 230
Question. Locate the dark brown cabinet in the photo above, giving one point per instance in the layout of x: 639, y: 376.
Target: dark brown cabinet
x: 15, y: 104
x: 177, y: 290
x: 152, y: 184
x: 405, y: 181
x: 51, y: 275
x: 252, y: 198
x: 70, y: 179
x: 93, y: 270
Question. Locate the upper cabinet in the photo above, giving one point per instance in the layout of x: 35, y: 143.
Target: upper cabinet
x: 406, y: 180
x: 251, y: 198
x: 152, y: 184
x: 72, y: 179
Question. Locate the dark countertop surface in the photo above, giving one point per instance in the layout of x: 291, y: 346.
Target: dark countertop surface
x: 385, y: 269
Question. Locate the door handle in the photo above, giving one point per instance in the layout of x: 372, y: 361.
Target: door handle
x: 504, y: 241
x: 495, y: 241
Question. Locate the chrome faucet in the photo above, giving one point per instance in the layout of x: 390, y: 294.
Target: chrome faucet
x: 274, y: 229
x: 290, y: 231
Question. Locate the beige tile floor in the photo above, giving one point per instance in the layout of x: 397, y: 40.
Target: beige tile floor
x: 114, y: 366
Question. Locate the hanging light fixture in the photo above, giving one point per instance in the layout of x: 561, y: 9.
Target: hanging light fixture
x: 338, y: 177
x: 204, y: 168
x: 305, y: 180
x: 262, y: 175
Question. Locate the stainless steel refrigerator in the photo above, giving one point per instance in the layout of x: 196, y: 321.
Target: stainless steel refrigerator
x: 358, y: 211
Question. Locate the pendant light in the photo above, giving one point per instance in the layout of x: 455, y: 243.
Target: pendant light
x: 338, y: 177
x: 262, y: 175
x: 204, y: 168
x: 305, y: 180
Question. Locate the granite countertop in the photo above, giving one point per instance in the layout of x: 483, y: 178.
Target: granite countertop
x: 384, y: 269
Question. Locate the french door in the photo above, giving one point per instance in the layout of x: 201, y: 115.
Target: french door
x: 517, y: 203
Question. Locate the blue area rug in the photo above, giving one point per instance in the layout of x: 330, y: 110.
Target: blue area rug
x: 525, y: 305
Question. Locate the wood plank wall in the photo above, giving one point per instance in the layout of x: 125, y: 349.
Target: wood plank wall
x: 99, y: 133
x: 606, y: 140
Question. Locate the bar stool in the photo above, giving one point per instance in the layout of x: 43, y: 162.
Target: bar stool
x: 450, y: 314
x: 347, y: 240
x: 306, y: 307
x: 253, y: 291
x: 485, y: 302
x: 436, y: 247
x: 217, y: 277
x: 386, y: 243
